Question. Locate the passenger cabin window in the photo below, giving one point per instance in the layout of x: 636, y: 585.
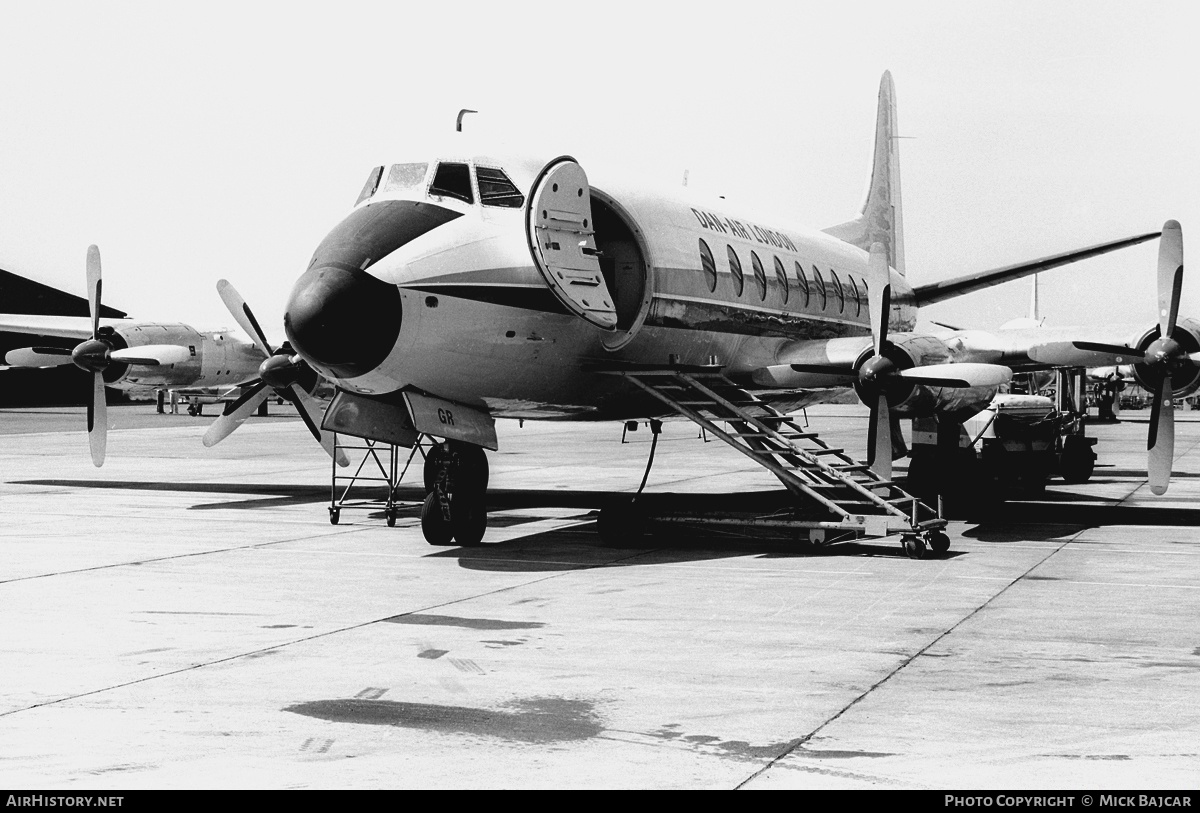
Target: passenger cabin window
x: 855, y: 296
x: 837, y: 290
x: 370, y: 186
x: 735, y: 268
x: 819, y: 287
x: 453, y: 181
x: 495, y: 189
x: 709, y: 265
x: 406, y: 177
x: 781, y: 275
x: 760, y: 276
x: 802, y: 282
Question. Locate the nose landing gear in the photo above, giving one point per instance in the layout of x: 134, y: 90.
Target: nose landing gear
x: 455, y: 508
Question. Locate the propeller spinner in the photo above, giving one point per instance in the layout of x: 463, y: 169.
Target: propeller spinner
x: 281, y: 372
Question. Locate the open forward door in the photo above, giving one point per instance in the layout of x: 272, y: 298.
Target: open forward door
x: 561, y: 232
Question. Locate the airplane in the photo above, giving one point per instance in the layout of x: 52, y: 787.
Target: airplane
x: 130, y: 354
x: 470, y: 284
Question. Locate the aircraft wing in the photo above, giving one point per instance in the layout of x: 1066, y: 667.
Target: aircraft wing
x: 951, y: 288
x: 67, y: 327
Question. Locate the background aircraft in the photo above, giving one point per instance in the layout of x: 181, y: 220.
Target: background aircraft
x: 130, y: 354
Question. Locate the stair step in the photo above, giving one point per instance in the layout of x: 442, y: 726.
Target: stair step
x: 827, y: 450
x: 874, y: 483
x: 850, y: 467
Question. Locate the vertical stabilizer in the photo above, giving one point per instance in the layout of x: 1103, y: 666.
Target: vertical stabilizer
x: 880, y: 220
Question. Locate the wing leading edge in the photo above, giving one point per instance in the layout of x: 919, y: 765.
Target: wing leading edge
x: 951, y: 288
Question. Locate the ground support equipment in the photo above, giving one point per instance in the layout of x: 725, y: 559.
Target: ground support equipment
x: 856, y: 502
x: 381, y: 462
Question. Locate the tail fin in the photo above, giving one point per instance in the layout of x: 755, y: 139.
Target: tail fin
x: 880, y: 220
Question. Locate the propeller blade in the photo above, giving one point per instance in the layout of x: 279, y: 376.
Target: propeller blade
x: 1170, y: 276
x: 879, y: 295
x: 244, y: 316
x: 93, y: 292
x: 958, y: 375
x: 825, y: 369
x: 308, y: 406
x: 879, y: 439
x: 235, y: 414
x: 152, y: 355
x: 1161, y: 442
x: 97, y: 420
x: 37, y: 357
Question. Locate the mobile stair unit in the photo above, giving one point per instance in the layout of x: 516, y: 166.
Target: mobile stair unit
x: 860, y: 504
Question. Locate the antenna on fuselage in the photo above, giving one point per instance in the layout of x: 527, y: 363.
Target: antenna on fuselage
x: 458, y: 123
x: 685, y: 174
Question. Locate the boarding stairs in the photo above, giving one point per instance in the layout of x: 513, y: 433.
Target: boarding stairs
x: 862, y: 503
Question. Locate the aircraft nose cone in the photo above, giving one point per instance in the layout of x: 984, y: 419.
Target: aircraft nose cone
x: 343, y: 320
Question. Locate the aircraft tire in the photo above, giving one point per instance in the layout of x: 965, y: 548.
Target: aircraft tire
x: 469, y: 523
x: 433, y: 459
x: 436, y: 529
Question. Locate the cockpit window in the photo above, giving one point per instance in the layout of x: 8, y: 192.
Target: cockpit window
x: 495, y: 189
x: 453, y: 181
x: 370, y: 186
x: 402, y: 177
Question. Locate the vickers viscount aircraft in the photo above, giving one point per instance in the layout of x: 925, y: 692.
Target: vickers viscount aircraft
x: 468, y: 285
x: 137, y: 354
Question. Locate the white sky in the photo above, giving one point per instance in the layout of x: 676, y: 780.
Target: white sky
x: 200, y: 141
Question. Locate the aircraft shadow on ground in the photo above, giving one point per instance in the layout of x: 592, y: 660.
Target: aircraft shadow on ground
x: 579, y: 547
x: 1055, y: 515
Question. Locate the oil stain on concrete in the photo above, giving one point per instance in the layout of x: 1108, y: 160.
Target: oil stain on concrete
x: 426, y: 619
x: 534, y: 719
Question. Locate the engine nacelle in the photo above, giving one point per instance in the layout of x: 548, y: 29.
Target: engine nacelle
x: 1184, y: 380
x: 909, y: 399
x: 216, y: 358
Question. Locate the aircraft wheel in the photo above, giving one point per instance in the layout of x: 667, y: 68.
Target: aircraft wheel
x: 914, y: 546
x: 938, y: 541
x: 391, y: 517
x: 433, y: 459
x: 472, y: 473
x: 434, y: 526
x: 469, y: 523
x: 335, y: 514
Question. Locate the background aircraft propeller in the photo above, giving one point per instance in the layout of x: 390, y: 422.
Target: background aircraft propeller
x: 281, y: 372
x: 94, y: 356
x: 1163, y: 358
x: 880, y: 374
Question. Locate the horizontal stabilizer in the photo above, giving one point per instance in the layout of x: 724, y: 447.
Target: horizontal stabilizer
x: 949, y: 289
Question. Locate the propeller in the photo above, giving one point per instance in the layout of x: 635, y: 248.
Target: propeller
x: 94, y: 356
x: 1163, y: 358
x: 281, y: 372
x: 879, y: 375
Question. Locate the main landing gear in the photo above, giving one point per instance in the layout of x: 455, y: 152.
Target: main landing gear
x: 455, y: 509
x: 916, y: 545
